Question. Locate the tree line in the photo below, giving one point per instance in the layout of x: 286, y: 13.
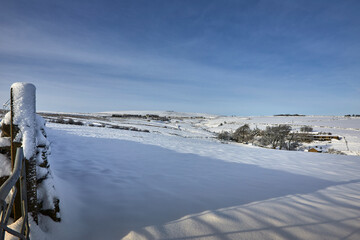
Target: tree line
x: 279, y: 136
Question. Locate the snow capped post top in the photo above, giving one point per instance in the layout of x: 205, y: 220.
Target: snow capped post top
x: 23, y: 115
x: 24, y: 103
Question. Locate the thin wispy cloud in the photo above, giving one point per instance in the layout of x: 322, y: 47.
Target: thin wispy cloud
x: 186, y: 56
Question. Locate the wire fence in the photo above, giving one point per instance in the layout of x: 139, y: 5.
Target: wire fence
x: 6, y: 105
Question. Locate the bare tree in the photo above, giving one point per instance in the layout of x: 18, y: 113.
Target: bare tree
x: 243, y: 134
x: 276, y: 136
x: 226, y: 136
x: 306, y: 129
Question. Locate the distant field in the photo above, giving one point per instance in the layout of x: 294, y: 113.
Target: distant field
x: 197, y: 125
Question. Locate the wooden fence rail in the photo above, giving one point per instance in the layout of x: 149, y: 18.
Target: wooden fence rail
x: 16, y: 182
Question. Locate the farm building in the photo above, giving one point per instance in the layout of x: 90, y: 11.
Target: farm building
x: 315, y: 150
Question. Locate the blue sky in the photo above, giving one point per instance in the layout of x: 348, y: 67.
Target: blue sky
x: 223, y: 57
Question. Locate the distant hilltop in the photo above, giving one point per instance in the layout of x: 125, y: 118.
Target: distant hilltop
x: 289, y: 115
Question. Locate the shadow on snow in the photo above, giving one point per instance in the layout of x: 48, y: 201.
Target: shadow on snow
x: 124, y: 186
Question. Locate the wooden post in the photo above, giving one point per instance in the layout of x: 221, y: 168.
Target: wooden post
x: 12, y: 135
x: 17, y: 201
x: 22, y: 97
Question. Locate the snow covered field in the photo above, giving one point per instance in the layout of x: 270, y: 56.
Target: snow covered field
x: 178, y: 182
x: 196, y: 125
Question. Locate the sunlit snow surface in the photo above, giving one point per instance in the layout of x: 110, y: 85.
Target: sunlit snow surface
x: 183, y: 184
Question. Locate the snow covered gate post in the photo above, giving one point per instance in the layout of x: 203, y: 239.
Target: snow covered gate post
x: 22, y: 131
x: 23, y: 141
